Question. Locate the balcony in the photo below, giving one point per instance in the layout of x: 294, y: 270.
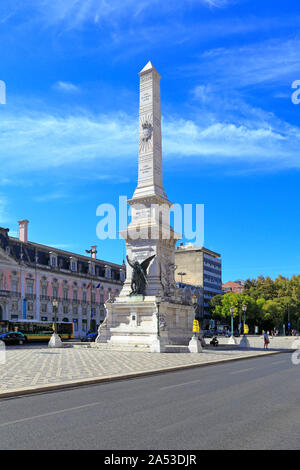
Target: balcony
x: 4, y: 293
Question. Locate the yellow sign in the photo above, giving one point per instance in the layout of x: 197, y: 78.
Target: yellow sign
x: 196, y: 326
x: 246, y: 329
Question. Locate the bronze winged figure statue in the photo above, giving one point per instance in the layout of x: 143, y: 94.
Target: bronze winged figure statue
x: 139, y: 275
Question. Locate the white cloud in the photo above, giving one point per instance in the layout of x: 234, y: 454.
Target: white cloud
x: 267, y: 62
x: 105, y: 143
x: 72, y: 14
x: 67, y: 87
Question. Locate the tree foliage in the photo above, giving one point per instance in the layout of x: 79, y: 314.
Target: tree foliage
x: 270, y: 303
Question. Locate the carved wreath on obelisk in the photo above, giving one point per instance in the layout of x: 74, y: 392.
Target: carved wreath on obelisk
x: 146, y: 131
x: 139, y: 275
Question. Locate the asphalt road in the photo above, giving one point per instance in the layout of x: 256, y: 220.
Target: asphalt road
x: 248, y: 404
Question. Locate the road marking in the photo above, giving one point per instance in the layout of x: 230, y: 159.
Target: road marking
x: 279, y: 362
x: 52, y: 413
x: 187, y: 383
x: 243, y: 370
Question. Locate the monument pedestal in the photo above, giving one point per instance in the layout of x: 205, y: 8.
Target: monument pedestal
x: 131, y: 323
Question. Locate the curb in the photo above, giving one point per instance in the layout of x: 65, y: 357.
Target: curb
x: 114, y: 378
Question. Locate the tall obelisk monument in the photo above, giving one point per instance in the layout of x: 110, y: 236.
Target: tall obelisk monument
x: 132, y: 319
x: 149, y: 232
x: 150, y: 151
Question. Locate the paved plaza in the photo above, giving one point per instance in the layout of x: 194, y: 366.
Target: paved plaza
x: 38, y: 367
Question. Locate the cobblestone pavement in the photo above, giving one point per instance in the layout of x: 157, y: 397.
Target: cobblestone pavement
x: 37, y: 366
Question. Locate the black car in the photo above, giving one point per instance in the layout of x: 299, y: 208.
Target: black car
x: 208, y: 333
x: 13, y: 338
x: 89, y: 338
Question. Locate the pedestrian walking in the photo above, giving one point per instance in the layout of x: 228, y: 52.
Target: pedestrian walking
x: 266, y: 340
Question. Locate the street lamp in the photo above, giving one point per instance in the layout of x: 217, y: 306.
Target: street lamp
x: 55, y: 305
x: 194, y: 344
x: 194, y: 302
x: 231, y: 312
x: 244, y: 308
x: 55, y: 341
x: 231, y: 339
x: 158, y: 302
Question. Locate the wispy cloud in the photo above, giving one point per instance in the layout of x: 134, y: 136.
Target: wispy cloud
x: 42, y: 142
x: 54, y: 196
x: 266, y: 62
x: 66, y: 87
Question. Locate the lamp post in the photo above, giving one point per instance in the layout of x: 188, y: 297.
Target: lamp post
x: 194, y: 344
x: 158, y: 302
x: 55, y: 341
x: 55, y: 306
x: 244, y: 308
x: 195, y: 302
x: 231, y: 312
x: 244, y: 342
x: 158, y: 343
x: 232, y: 338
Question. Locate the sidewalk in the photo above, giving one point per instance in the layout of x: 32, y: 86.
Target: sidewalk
x: 30, y: 369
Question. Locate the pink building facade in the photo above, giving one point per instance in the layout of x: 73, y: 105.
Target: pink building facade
x: 32, y: 276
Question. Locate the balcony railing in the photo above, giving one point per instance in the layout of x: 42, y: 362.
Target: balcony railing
x: 4, y: 293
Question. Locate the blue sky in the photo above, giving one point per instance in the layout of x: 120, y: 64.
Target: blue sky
x: 68, y: 131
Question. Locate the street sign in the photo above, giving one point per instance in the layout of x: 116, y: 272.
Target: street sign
x: 246, y: 329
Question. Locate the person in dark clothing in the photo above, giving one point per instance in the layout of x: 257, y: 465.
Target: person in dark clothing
x: 214, y: 341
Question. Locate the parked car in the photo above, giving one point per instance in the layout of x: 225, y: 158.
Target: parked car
x: 221, y: 332
x: 89, y: 338
x: 208, y: 333
x: 13, y: 338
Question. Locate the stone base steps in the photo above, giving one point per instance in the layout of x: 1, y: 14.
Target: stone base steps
x: 171, y: 348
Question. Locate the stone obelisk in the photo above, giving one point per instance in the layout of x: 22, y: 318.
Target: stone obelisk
x: 149, y: 232
x: 150, y: 151
x: 132, y: 321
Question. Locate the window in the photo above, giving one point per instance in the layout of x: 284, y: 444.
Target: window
x: 14, y: 286
x: 44, y: 308
x: 53, y: 261
x: 75, y: 322
x: 75, y: 310
x: 73, y: 266
x: 84, y: 296
x: 29, y: 287
x: 30, y: 306
x: 14, y: 317
x: 55, y: 292
x: 74, y: 294
x: 14, y: 306
x: 65, y: 294
x: 44, y: 291
x: 84, y: 325
x: 65, y: 309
